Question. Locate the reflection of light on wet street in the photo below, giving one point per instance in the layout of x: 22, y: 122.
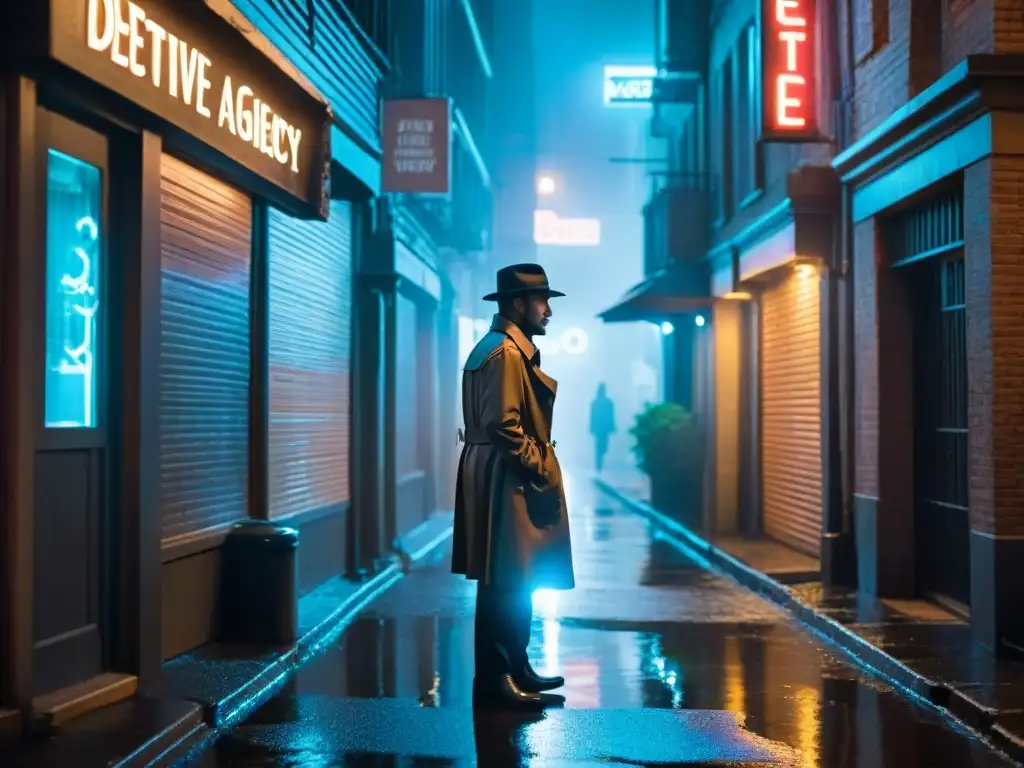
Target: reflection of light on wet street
x: 643, y: 632
x: 808, y: 725
x: 545, y: 603
x: 549, y: 646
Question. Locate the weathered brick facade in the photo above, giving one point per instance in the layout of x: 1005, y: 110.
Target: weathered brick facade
x: 994, y: 196
x: 729, y: 18
x: 881, y: 78
x: 865, y: 329
x: 901, y: 48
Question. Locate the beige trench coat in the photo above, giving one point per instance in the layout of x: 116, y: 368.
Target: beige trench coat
x: 511, y: 524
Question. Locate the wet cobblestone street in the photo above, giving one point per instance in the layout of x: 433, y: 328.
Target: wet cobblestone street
x: 667, y: 664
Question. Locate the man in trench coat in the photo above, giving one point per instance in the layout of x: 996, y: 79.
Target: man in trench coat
x: 511, y: 529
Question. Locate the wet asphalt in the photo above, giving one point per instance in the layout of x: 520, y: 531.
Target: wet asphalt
x: 667, y: 664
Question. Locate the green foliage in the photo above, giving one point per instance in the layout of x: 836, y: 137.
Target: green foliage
x: 668, y: 440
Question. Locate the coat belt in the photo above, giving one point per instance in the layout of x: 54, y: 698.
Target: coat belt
x: 478, y: 436
x: 474, y: 436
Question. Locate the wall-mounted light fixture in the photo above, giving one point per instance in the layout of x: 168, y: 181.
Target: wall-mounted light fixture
x: 699, y: 321
x: 804, y: 270
x: 667, y: 328
x: 546, y: 185
x: 737, y: 296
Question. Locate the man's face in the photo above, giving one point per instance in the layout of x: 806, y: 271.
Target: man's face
x: 536, y: 312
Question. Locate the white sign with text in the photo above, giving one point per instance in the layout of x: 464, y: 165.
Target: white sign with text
x: 121, y: 30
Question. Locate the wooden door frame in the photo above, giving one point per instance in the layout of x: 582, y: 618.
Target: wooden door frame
x: 85, y: 143
x: 17, y: 300
x: 134, y: 189
x: 135, y: 426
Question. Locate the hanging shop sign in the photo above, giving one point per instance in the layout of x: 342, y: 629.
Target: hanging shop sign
x: 417, y: 139
x: 189, y: 66
x: 629, y: 86
x: 789, y: 54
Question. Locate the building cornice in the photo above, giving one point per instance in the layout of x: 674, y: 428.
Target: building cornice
x: 478, y: 41
x: 979, y: 84
x: 811, y: 190
x: 465, y: 137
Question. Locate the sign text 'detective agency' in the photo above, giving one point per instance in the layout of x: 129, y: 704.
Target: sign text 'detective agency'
x: 147, y: 50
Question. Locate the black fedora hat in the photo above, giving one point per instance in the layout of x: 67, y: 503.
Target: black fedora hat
x: 517, y: 279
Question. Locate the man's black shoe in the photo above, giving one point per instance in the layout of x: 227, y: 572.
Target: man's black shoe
x: 503, y: 693
x: 528, y: 680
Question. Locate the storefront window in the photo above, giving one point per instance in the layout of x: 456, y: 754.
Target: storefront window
x: 73, y: 202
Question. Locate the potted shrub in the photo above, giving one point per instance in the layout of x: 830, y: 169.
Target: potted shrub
x: 670, y: 450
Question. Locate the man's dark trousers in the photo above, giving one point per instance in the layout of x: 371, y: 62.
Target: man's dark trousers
x: 502, y: 633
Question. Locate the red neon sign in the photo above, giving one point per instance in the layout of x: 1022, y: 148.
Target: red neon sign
x: 789, y: 70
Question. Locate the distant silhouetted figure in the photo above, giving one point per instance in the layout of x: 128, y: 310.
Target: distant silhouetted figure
x: 602, y: 424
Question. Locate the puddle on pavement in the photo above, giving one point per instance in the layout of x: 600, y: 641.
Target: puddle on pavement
x: 395, y: 689
x: 777, y: 683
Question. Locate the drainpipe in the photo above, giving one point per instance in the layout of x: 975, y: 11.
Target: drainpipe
x: 839, y: 553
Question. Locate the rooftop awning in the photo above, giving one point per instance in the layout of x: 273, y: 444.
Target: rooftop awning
x: 678, y: 290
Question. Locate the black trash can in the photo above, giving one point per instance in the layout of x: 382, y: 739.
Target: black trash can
x: 259, y: 602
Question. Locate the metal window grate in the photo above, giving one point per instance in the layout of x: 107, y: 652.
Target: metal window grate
x: 934, y: 227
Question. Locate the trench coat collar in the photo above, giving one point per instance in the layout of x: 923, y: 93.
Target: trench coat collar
x: 514, y: 332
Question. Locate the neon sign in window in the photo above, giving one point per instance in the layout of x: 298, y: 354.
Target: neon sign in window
x: 789, y: 49
x: 73, y: 241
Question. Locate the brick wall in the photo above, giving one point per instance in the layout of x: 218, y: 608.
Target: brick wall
x: 729, y: 18
x: 882, y: 76
x: 1009, y: 26
x: 865, y: 334
x: 966, y: 28
x: 920, y: 40
x: 994, y: 232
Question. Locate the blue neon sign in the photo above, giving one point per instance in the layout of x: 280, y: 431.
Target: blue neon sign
x: 629, y: 86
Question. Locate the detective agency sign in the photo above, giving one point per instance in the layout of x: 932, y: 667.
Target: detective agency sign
x: 183, y: 62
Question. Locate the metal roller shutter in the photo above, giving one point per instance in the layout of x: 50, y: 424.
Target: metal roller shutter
x: 310, y: 352
x: 791, y: 412
x: 206, y: 245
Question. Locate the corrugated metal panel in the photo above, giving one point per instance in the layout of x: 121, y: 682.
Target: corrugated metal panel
x: 335, y: 48
x: 206, y: 235
x: 791, y: 412
x: 310, y: 354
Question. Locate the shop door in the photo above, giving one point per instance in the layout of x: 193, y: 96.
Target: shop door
x: 941, y: 522
x: 206, y: 245
x: 791, y: 411
x: 71, y: 502
x: 310, y: 351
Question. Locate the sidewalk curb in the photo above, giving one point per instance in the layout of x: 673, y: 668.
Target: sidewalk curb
x: 261, y: 687
x: 248, y: 697
x: 954, y: 704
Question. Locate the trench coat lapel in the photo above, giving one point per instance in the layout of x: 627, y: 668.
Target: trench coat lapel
x: 528, y: 348
x: 546, y: 380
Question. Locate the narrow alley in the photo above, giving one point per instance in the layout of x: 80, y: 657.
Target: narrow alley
x: 667, y: 664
